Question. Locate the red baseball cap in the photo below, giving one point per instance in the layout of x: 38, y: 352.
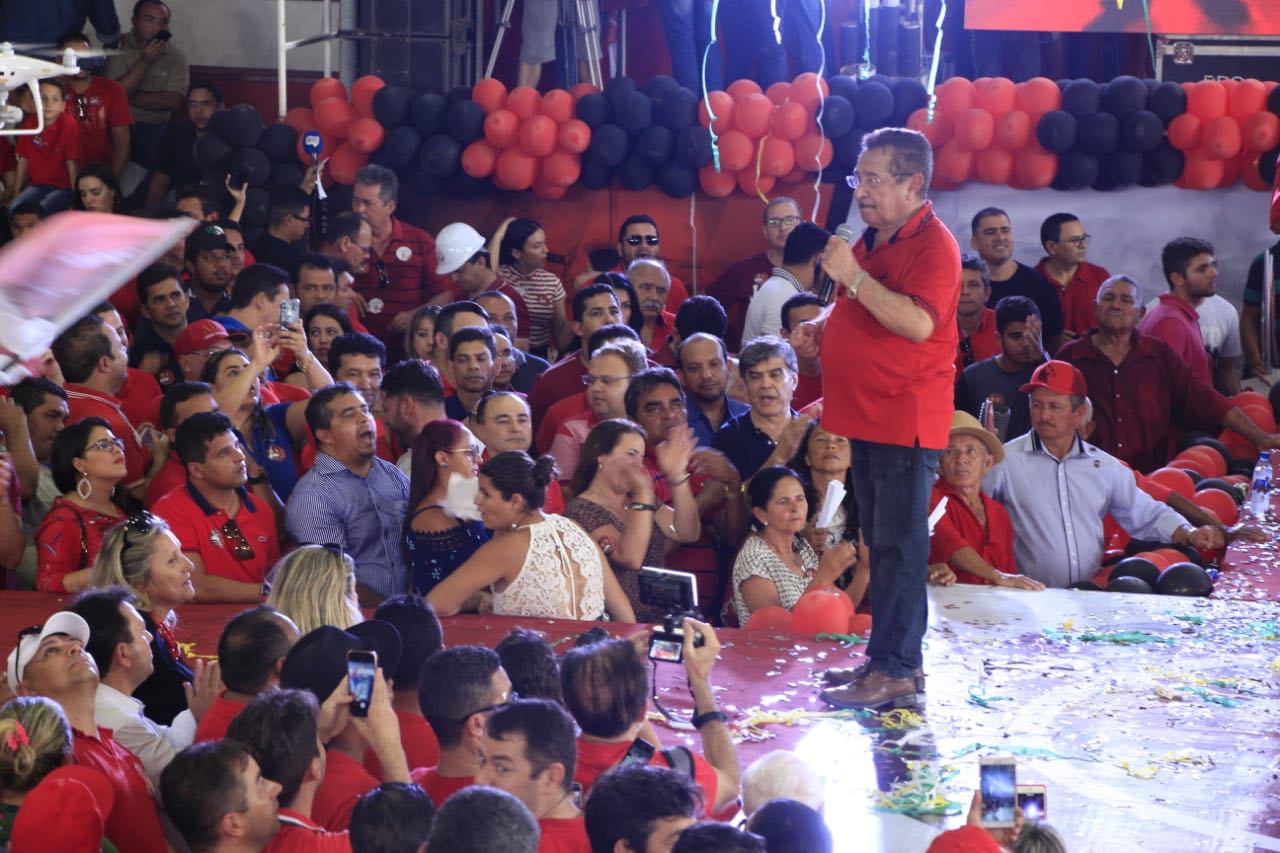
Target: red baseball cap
x: 199, y: 335
x: 68, y: 811
x: 1059, y: 377
x: 966, y: 839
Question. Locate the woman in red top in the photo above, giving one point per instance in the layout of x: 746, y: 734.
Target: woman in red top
x: 973, y: 541
x: 87, y: 463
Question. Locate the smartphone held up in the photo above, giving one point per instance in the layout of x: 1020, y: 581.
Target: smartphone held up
x: 362, y: 669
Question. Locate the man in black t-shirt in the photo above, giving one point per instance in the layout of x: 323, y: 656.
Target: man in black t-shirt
x: 175, y: 163
x: 993, y: 241
x: 1002, y: 376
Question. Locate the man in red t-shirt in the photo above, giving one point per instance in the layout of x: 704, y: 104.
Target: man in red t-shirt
x: 895, y: 318
x: 653, y: 283
x: 457, y: 689
x: 737, y: 284
x: 979, y: 339
x: 53, y: 663
x: 529, y: 751
x: 222, y: 774
x: 1066, y: 246
x: 251, y: 652
x: 594, y: 307
x: 799, y: 309
x: 140, y: 393
x: 605, y: 688
x: 641, y: 807
x: 101, y: 106
x: 420, y: 637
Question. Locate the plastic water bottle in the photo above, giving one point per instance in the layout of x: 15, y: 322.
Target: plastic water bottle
x: 1260, y: 494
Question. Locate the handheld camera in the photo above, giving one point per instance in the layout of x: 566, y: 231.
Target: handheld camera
x: 999, y: 791
x: 1032, y: 801
x: 362, y: 669
x: 676, y: 593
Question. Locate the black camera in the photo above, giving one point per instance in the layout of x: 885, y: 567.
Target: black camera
x: 676, y: 593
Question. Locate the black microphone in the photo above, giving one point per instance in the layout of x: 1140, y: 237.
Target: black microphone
x: 826, y: 287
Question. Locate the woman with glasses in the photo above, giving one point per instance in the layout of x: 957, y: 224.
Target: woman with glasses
x: 521, y: 248
x: 609, y: 373
x: 88, y: 464
x: 143, y: 555
x: 315, y: 585
x: 443, y: 528
x: 420, y: 335
x: 97, y: 191
x: 537, y: 564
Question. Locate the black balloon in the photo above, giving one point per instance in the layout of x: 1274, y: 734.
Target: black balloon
x: 1267, y: 162
x: 1088, y: 586
x: 843, y: 85
x: 837, y: 117
x: 423, y: 184
x: 693, y: 147
x: 465, y: 121
x: 873, y: 104
x: 594, y: 110
x: 634, y: 112
x: 1122, y: 169
x: 440, y: 156
x: 257, y: 202
x: 211, y: 152
x: 462, y: 186
x: 427, y: 112
x: 1161, y: 165
x: 279, y: 142
x: 399, y: 147
x: 635, y: 174
x: 243, y: 126
x: 654, y: 145
x: 1141, y: 131
x: 1212, y: 443
x: 660, y: 86
x: 616, y: 89
x: 676, y: 181
x: 1076, y: 170
x: 595, y: 174
x: 678, y: 110
x: 609, y: 145
x: 848, y: 147
x: 1098, y: 134
x: 251, y: 165
x: 391, y: 105
x: 909, y: 95
x: 218, y: 123
x: 1136, y: 567
x: 1273, y: 100
x: 1129, y: 584
x: 1184, y: 579
x: 286, y: 174
x: 1056, y: 131
x: 1125, y: 95
x: 1168, y: 100
x: 1081, y: 98
x: 1221, y: 485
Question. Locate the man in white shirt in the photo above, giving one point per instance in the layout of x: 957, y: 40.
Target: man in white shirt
x: 121, y: 647
x: 798, y: 274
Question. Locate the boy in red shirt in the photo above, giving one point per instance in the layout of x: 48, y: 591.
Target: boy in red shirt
x: 48, y: 162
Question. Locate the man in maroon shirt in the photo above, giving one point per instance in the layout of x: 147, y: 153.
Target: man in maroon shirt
x: 1191, y: 271
x: 737, y: 284
x: 594, y: 307
x: 1143, y: 394
x: 53, y: 663
x: 101, y: 106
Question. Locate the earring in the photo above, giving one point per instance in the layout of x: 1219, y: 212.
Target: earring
x: 515, y: 525
x: 83, y: 487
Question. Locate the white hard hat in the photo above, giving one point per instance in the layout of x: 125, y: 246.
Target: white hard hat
x: 455, y: 245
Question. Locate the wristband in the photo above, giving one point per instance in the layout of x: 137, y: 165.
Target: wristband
x: 642, y: 507
x: 710, y: 717
x: 682, y: 480
x: 256, y: 481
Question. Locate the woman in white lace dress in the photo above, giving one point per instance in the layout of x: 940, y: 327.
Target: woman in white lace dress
x: 535, y: 564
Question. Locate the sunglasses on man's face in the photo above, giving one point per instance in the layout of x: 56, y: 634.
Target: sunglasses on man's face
x: 637, y: 239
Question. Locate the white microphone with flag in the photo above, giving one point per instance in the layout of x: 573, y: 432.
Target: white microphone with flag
x: 826, y: 287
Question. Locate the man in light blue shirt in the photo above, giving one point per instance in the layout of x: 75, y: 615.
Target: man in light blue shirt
x: 1058, y: 488
x: 351, y: 498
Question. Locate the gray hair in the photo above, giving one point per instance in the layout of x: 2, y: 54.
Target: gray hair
x: 782, y: 199
x: 1039, y: 838
x: 383, y: 178
x: 1121, y: 279
x: 763, y: 348
x: 782, y: 774
x: 649, y: 262
x: 909, y: 153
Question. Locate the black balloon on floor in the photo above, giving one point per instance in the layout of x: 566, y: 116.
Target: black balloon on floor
x: 1056, y: 131
x: 676, y: 181
x: 251, y: 165
x: 1141, y: 131
x: 594, y: 110
x: 211, y: 152
x: 1098, y: 134
x: 1124, y: 96
x: 609, y: 145
x: 635, y: 173
x: 678, y: 110
x: 872, y: 104
x: 1184, y: 579
x: 440, y: 155
x: 1161, y: 165
x: 909, y: 95
x: 243, y: 126
x: 654, y: 145
x: 633, y: 112
x: 1076, y: 170
x: 1137, y: 567
x: 1129, y: 584
x: 1169, y: 100
x: 1081, y: 98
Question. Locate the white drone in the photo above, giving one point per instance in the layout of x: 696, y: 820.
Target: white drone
x: 17, y: 70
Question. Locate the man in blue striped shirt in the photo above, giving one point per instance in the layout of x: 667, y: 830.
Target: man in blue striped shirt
x: 351, y: 498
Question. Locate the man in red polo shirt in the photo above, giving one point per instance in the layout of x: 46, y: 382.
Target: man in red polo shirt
x: 638, y: 237
x: 420, y: 637
x: 251, y: 652
x: 95, y: 367
x: 895, y: 318
x: 53, y: 663
x: 229, y: 535
x: 653, y: 283
x: 140, y: 393
x: 594, y: 307
x: 101, y: 106
x: 1066, y: 245
x: 736, y: 285
x: 1191, y: 271
x: 979, y: 339
x: 402, y: 258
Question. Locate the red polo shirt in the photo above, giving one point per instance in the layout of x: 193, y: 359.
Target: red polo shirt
x: 170, y: 476
x: 140, y: 397
x: 903, y: 392
x: 403, y: 277
x: 199, y: 527
x: 134, y: 823
x: 660, y: 351
x: 734, y: 288
x: 99, y: 108
x: 564, y: 409
x: 85, y: 402
x: 299, y: 834
x: 421, y: 747
x: 1079, y: 297
x: 344, y: 781
x: 217, y: 719
x: 1140, y: 406
x: 560, y: 380
x: 47, y: 153
x: 439, y: 788
x: 959, y: 527
x: 563, y: 835
x: 595, y: 758
x: 1176, y: 322
x: 983, y: 341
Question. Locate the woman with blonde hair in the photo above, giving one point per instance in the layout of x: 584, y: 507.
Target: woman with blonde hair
x: 35, y: 740
x: 316, y: 585
x: 142, y: 554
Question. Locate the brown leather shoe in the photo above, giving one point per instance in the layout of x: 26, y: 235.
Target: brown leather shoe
x: 850, y: 674
x: 875, y: 691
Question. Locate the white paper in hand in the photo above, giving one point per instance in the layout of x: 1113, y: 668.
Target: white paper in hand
x: 936, y: 516
x: 831, y: 503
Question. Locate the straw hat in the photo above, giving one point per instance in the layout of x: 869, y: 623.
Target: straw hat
x: 963, y: 423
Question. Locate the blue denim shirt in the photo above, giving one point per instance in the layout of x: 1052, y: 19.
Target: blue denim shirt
x: 702, y: 430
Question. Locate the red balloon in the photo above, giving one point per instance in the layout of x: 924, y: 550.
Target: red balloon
x: 795, y: 176
x: 327, y: 87
x: 1208, y: 458
x: 574, y: 136
x: 345, y: 162
x: 736, y: 151
x: 1248, y: 97
x: 490, y: 93
x: 1231, y: 168
x: 953, y: 163
x: 741, y: 88
x: 1159, y: 560
x: 974, y: 130
x: 993, y: 166
x: 362, y: 92
x: 1237, y: 445
x: 1176, y: 479
x: 547, y: 191
x: 813, y: 152
x: 1260, y: 414
x: 752, y: 114
x: 1034, y: 167
x: 524, y: 101
x: 779, y: 92
x: 722, y: 105
x: 365, y: 135
x: 561, y: 169
x: 1261, y: 132
x: 996, y: 95
x: 716, y: 184
x: 1251, y: 174
x: 1219, y: 503
x: 1013, y: 130
x: 808, y: 89
x: 557, y: 105
x: 846, y: 602
x: 1185, y: 132
x: 516, y: 169
x: 860, y: 624
x: 955, y: 95
x: 538, y: 136
x: 1038, y: 96
x: 1222, y: 138
x: 938, y: 131
x: 1207, y: 99
x: 478, y: 159
x: 771, y: 618
x: 334, y: 117
x: 583, y: 89
x: 301, y: 119
x: 790, y: 121
x: 501, y: 128
x: 778, y: 157
x: 748, y: 183
x: 820, y: 611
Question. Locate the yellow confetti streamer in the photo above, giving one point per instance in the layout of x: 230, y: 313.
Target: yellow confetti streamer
x: 188, y: 650
x: 901, y: 718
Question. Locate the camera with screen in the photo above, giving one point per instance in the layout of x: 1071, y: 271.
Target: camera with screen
x: 676, y: 594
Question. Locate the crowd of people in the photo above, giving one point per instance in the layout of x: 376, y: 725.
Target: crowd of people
x: 452, y: 426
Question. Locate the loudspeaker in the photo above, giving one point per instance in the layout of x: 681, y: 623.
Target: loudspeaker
x: 427, y: 45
